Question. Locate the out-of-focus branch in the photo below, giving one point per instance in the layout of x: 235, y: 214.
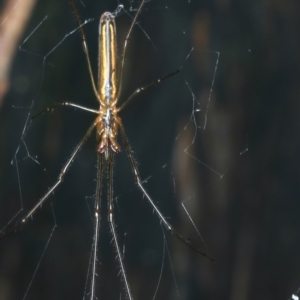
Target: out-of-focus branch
x: 13, y: 19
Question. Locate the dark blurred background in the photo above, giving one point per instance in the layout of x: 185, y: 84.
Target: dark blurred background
x: 236, y: 173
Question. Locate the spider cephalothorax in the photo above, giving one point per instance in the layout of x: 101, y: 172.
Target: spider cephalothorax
x: 107, y: 129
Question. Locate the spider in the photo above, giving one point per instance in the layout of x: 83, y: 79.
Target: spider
x: 107, y: 125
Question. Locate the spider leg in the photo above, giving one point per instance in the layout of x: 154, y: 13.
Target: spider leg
x: 112, y: 221
x: 97, y: 222
x: 125, y: 46
x: 141, y: 89
x: 54, y: 106
x: 61, y: 176
x: 86, y: 50
x: 168, y: 226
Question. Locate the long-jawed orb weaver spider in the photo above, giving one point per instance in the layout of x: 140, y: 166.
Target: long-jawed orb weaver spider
x: 107, y: 125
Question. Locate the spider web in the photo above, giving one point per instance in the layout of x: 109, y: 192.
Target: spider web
x: 175, y: 129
